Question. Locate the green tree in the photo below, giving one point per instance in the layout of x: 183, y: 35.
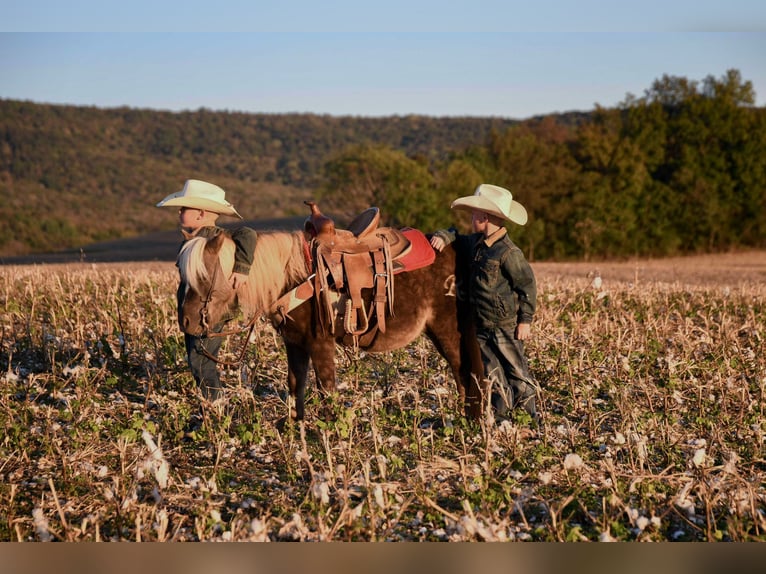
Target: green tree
x: 611, y: 187
x: 401, y: 187
x: 535, y: 163
x: 704, y: 149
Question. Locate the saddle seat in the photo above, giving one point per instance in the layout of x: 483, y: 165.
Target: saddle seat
x: 364, y: 256
x: 365, y: 223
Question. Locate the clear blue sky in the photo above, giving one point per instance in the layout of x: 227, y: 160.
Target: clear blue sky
x: 479, y: 58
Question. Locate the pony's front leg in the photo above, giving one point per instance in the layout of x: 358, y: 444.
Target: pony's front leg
x: 323, y: 359
x: 297, y: 373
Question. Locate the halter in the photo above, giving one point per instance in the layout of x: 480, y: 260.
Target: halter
x: 203, y: 321
x: 250, y: 326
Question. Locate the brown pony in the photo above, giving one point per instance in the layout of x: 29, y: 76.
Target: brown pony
x: 425, y: 302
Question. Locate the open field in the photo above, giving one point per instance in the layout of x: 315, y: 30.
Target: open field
x: 652, y: 390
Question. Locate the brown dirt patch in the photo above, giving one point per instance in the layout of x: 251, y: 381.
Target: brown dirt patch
x: 720, y: 270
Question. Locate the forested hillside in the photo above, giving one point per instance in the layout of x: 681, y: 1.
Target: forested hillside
x: 681, y: 169
x: 71, y: 175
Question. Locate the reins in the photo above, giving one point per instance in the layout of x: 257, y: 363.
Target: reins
x: 250, y: 326
x: 203, y: 316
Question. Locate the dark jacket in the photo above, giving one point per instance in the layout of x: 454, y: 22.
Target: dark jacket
x: 502, y: 290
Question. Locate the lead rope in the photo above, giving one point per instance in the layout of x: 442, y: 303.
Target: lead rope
x: 241, y: 356
x: 203, y: 316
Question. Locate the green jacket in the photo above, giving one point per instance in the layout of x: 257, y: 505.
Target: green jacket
x: 244, y: 238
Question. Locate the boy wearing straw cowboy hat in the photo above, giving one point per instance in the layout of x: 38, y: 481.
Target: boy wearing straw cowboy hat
x: 502, y: 293
x: 199, y: 205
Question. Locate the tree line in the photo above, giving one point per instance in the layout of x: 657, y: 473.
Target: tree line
x: 679, y: 170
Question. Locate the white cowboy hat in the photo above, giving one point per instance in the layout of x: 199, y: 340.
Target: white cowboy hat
x: 495, y: 200
x: 201, y: 195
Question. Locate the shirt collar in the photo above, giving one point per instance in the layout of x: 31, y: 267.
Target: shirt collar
x: 495, y: 237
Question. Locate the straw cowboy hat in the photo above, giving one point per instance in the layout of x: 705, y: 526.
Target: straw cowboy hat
x: 201, y: 195
x: 494, y: 200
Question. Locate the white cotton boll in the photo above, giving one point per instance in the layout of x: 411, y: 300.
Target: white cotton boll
x: 155, y: 462
x: 545, y: 478
x: 293, y: 529
x: 596, y: 282
x: 606, y: 537
x: 642, y: 522
x: 259, y: 530
x: 698, y: 459
x: 149, y: 441
x: 573, y: 461
x: 41, y: 525
x: 321, y: 491
x: 683, y: 501
x: 377, y: 492
x: 195, y: 483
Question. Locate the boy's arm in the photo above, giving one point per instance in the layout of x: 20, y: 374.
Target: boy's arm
x: 523, y: 283
x: 245, y: 240
x: 443, y: 237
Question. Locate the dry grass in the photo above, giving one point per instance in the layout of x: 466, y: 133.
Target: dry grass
x: 652, y: 392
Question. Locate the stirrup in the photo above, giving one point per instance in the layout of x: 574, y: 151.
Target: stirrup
x: 350, y: 320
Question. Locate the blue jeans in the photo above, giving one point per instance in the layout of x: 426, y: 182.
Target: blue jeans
x: 506, y: 366
x: 203, y: 369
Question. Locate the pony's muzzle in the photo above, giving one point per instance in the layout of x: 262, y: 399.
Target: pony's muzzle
x: 187, y: 326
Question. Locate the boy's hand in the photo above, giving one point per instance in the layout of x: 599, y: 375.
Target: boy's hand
x: 237, y: 280
x: 437, y: 243
x: 522, y: 331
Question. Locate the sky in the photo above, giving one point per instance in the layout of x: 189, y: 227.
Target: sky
x: 481, y: 58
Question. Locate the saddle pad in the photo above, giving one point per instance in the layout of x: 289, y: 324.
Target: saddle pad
x: 420, y: 254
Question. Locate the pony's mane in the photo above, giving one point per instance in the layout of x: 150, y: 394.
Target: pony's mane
x: 191, y: 265
x: 278, y: 266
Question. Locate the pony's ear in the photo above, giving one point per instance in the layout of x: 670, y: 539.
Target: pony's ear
x: 186, y: 234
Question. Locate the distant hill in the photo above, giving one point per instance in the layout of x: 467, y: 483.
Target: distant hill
x: 76, y: 175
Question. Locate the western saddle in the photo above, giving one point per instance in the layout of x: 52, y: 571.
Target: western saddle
x: 346, y: 261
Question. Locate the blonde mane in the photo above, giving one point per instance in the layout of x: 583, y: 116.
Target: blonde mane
x: 191, y: 265
x: 278, y: 266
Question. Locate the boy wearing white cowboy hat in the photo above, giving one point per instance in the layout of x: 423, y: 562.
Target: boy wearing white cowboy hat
x: 199, y: 205
x: 502, y: 293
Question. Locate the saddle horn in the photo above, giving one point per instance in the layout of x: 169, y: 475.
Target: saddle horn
x: 318, y: 223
